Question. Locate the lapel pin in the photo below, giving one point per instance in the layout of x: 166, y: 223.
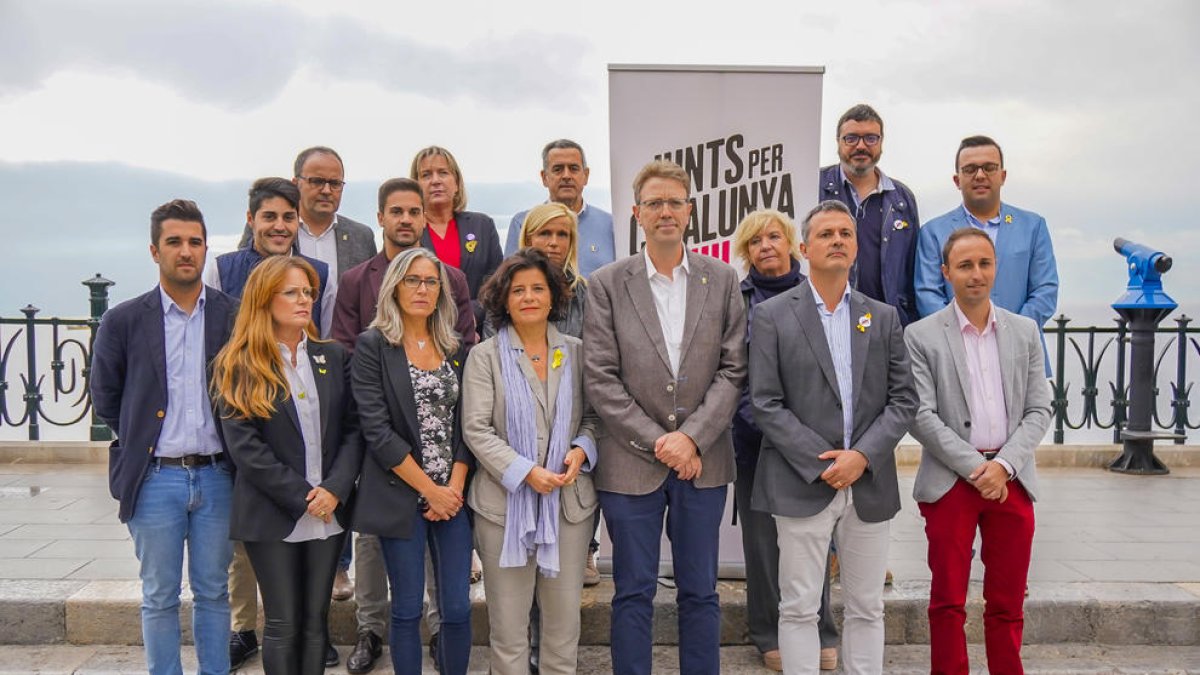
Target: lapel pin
x: 319, y: 358
x: 345, y: 237
x: 703, y: 280
x: 593, y: 248
x: 471, y: 245
x: 1008, y: 218
x: 864, y: 322
x: 322, y: 371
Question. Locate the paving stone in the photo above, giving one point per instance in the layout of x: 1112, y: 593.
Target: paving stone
x: 33, y: 612
x: 90, y: 548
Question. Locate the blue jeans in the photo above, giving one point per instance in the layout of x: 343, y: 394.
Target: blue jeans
x: 179, y: 505
x: 450, y: 549
x: 635, y: 525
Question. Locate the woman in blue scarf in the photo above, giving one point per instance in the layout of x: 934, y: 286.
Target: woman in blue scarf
x: 524, y: 418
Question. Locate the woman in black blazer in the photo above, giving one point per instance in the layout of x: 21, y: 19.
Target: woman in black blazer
x: 406, y: 373
x: 460, y: 238
x: 289, y: 422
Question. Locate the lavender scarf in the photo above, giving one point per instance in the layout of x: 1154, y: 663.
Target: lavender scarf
x: 531, y: 524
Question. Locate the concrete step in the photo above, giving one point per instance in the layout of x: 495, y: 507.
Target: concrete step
x: 107, y: 613
x: 1059, y: 659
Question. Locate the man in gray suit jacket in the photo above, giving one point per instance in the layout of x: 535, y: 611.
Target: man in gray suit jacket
x: 831, y: 390
x: 664, y: 365
x: 984, y: 408
x: 324, y: 234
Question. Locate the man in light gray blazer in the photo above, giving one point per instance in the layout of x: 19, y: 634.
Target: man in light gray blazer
x: 664, y: 366
x: 831, y: 389
x: 985, y: 406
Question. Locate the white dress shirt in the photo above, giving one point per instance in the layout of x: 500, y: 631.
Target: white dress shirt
x: 323, y: 247
x: 308, y: 408
x: 670, y: 299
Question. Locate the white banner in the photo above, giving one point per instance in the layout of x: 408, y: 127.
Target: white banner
x: 748, y: 136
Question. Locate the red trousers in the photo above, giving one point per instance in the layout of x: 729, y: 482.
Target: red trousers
x: 1007, y: 532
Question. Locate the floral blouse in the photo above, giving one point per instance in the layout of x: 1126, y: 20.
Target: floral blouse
x: 436, y: 394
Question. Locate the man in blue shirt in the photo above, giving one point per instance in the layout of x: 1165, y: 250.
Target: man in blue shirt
x: 884, y: 210
x: 565, y: 173
x: 167, y: 466
x: 1026, y: 271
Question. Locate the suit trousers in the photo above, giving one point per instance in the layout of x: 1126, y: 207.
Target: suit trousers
x: 760, y: 545
x: 635, y: 525
x: 510, y: 592
x: 1007, y: 533
x: 803, y: 556
x: 243, y: 591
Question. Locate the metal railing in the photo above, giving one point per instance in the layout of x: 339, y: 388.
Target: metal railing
x: 1086, y: 355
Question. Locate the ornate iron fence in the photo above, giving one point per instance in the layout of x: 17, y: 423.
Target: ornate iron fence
x: 1093, y: 354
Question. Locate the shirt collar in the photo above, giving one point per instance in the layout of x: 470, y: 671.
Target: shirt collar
x: 885, y: 183
x: 651, y: 271
x: 301, y: 349
x: 965, y: 325
x: 304, y: 227
x: 845, y: 301
x: 979, y: 223
x: 168, y: 302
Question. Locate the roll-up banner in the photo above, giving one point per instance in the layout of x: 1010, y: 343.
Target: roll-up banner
x: 748, y: 136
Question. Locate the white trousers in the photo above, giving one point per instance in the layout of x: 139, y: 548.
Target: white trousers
x: 862, y: 553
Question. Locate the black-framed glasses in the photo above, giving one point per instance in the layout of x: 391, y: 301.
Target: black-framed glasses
x: 972, y: 169
x: 658, y: 204
x: 320, y: 183
x: 414, y: 281
x: 869, y: 139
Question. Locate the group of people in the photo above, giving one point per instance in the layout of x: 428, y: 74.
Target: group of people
x: 438, y: 398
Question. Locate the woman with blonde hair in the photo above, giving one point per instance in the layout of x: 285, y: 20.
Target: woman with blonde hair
x: 406, y: 372
x: 460, y: 238
x: 292, y: 431
x: 553, y: 229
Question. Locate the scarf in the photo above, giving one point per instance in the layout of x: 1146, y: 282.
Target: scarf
x: 531, y: 524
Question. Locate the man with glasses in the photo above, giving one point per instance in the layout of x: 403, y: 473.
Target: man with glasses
x: 884, y: 210
x: 1026, y: 272
x: 664, y: 363
x: 337, y: 241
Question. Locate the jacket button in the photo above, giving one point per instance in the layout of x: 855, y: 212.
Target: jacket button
x: 671, y: 417
x: 150, y: 450
x: 670, y: 387
x: 967, y: 423
x: 160, y: 414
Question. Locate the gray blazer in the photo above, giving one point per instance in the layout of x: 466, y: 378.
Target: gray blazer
x: 795, y: 399
x: 485, y: 425
x: 628, y: 376
x: 355, y: 242
x: 943, y: 417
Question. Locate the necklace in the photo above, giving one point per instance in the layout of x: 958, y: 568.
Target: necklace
x: 420, y: 343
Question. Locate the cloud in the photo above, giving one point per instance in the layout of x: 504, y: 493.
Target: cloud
x: 240, y: 56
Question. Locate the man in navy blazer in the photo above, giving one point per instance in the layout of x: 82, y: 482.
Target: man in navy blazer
x: 884, y: 210
x: 1026, y: 272
x: 167, y: 466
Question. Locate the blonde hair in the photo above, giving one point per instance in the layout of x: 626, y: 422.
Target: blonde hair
x: 660, y: 168
x: 389, y: 317
x: 538, y: 217
x: 753, y: 225
x: 248, y: 372
x: 460, y: 197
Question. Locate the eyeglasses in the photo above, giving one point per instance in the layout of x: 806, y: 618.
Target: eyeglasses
x: 972, y: 169
x: 320, y: 183
x: 412, y: 281
x: 294, y: 294
x: 853, y: 139
x: 658, y: 204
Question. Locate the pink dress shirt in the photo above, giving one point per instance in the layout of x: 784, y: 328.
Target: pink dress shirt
x: 985, y: 400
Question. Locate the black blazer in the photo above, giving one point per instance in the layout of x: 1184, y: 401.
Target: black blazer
x: 128, y: 382
x: 269, y: 490
x: 391, y: 432
x: 479, y: 245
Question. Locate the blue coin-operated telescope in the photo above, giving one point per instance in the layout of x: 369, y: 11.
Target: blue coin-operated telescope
x: 1143, y: 306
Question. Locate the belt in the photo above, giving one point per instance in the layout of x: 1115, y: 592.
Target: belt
x: 189, y: 461
x: 989, y: 453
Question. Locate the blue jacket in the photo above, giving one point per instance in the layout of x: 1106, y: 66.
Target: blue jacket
x: 1026, y: 272
x: 129, y: 382
x: 233, y: 269
x: 899, y: 240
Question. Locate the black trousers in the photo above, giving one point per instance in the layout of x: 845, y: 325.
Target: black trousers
x: 296, y: 580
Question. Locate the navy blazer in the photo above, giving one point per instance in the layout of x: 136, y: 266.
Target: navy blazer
x: 480, y: 250
x: 391, y: 432
x: 128, y: 382
x: 270, y: 487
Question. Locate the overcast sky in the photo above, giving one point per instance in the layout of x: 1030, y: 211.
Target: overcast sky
x: 1093, y: 102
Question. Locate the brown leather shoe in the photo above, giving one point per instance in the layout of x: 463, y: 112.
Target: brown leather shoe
x: 773, y: 661
x: 343, y: 588
x: 829, y: 658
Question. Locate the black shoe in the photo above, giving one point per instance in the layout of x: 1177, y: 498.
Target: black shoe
x: 242, y: 645
x: 368, y: 648
x: 433, y: 652
x: 331, y: 655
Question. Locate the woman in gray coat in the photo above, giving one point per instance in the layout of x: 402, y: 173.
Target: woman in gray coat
x: 525, y: 420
